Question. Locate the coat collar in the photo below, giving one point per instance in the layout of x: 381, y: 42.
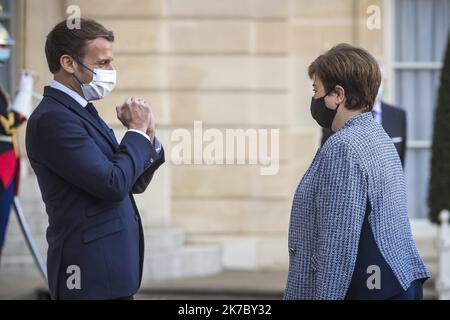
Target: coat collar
x: 360, y: 119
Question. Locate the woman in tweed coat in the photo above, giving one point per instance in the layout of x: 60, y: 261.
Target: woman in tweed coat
x: 349, y: 233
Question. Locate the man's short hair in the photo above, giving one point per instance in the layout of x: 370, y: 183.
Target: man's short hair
x: 62, y: 40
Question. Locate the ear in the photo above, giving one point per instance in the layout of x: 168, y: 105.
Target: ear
x: 67, y: 63
x: 340, y: 94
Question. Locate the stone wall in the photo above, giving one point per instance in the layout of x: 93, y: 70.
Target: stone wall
x: 229, y: 64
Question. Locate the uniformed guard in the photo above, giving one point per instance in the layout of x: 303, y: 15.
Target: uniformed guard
x: 12, y: 115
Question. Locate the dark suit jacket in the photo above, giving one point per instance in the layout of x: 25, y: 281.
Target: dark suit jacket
x: 86, y: 180
x: 395, y: 125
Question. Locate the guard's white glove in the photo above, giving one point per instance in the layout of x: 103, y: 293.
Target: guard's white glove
x: 26, y: 81
x: 22, y: 102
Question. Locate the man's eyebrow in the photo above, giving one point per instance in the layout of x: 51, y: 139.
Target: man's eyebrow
x: 105, y: 59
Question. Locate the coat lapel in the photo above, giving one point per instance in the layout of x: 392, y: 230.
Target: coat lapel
x: 73, y: 105
x: 386, y: 120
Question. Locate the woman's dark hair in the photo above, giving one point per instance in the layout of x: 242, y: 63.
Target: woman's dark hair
x: 355, y: 69
x: 62, y: 40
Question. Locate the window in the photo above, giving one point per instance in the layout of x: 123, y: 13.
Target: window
x: 420, y: 39
x: 6, y: 19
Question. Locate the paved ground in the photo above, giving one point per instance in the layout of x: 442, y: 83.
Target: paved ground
x: 226, y: 285
x: 20, y: 288
x: 239, y: 285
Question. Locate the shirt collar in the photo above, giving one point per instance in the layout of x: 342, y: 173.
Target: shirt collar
x: 73, y: 94
x: 377, y: 106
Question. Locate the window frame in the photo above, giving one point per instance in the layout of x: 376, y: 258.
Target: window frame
x: 8, y: 18
x: 393, y: 66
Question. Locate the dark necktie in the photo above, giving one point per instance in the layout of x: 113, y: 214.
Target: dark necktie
x: 93, y: 111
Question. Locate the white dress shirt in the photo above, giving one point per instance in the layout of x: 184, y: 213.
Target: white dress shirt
x: 83, y: 102
x: 377, y: 112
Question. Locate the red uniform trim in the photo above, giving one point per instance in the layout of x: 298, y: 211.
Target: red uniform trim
x: 8, y: 165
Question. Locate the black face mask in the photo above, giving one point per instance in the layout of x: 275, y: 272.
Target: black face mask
x: 321, y: 113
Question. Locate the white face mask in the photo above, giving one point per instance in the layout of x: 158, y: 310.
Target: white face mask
x: 103, y: 82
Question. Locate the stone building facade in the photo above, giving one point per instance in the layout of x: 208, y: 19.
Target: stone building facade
x: 230, y: 64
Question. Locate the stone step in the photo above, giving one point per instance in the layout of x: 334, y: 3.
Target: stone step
x: 425, y: 237
x: 15, y: 244
x: 163, y: 239
x: 427, y: 246
x: 20, y: 248
x: 165, y: 254
x: 187, y: 261
x: 18, y: 266
x: 34, y: 211
x: 29, y: 187
x: 433, y: 267
x: 430, y: 294
x: 36, y: 220
x: 426, y: 243
x: 156, y: 239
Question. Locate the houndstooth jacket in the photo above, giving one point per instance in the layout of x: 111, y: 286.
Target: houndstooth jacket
x: 356, y: 166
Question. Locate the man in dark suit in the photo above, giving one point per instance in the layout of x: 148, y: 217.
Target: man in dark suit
x: 95, y: 236
x: 393, y: 120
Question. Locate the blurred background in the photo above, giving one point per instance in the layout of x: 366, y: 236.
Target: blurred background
x: 221, y: 231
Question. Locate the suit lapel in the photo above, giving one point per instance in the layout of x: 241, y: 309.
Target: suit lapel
x: 73, y: 105
x: 386, y: 120
x: 110, y: 134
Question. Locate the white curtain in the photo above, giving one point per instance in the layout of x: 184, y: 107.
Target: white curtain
x: 421, y: 28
